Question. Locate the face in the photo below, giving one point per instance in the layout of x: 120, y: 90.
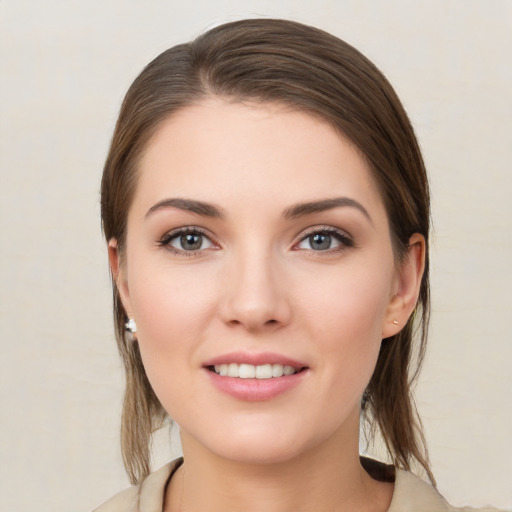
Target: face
x: 260, y: 272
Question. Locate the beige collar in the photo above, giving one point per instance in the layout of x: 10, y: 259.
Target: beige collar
x: 411, y: 494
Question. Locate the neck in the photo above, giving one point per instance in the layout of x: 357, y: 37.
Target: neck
x: 326, y: 478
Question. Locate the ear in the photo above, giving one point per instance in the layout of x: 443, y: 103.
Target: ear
x: 406, y: 287
x: 118, y: 269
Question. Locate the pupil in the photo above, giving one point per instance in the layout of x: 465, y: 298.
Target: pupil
x: 191, y: 242
x: 320, y: 241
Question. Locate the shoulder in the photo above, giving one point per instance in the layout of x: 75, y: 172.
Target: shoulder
x: 148, y: 496
x: 412, y: 493
x: 125, y: 501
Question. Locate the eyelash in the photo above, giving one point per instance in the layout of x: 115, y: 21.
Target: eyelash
x: 343, y: 238
x: 166, y: 240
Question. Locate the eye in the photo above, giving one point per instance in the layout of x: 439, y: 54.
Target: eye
x: 186, y: 240
x: 325, y: 240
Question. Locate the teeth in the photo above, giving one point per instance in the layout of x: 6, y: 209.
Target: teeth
x: 288, y: 370
x: 277, y: 370
x: 264, y: 371
x: 249, y: 371
x: 233, y: 370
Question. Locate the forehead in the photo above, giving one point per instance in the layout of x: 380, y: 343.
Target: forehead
x: 219, y: 150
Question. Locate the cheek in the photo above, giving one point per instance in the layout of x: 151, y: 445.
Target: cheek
x: 345, y: 317
x: 169, y: 298
x: 172, y: 317
x: 352, y: 301
x: 173, y: 308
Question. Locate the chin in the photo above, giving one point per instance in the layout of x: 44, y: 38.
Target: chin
x: 270, y: 443
x: 259, y: 452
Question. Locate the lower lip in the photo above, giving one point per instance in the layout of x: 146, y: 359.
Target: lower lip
x: 255, y: 390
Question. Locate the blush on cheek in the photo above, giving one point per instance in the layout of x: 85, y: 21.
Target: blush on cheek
x: 352, y: 324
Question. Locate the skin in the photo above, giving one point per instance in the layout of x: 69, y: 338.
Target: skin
x: 258, y: 283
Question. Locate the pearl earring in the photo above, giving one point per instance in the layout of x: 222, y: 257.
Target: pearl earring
x: 395, y: 322
x: 131, y: 326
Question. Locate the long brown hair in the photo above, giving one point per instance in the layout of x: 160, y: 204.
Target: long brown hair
x: 267, y: 60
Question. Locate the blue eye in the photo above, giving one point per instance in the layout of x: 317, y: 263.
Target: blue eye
x: 325, y: 240
x: 186, y: 241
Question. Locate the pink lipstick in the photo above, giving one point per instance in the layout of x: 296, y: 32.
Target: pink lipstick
x: 255, y: 377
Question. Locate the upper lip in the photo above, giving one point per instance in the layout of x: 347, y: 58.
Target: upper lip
x: 254, y: 359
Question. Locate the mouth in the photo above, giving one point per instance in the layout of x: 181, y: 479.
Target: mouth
x: 255, y: 377
x: 250, y: 371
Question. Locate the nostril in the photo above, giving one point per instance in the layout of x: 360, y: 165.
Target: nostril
x: 269, y: 323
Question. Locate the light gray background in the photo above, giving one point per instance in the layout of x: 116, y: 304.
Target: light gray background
x: 65, y: 66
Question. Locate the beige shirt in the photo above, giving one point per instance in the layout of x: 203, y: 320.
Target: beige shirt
x: 411, y: 494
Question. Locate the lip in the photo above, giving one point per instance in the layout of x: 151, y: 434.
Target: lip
x: 254, y: 359
x: 255, y: 390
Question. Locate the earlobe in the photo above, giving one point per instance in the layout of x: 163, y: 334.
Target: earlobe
x: 118, y: 270
x: 407, y: 287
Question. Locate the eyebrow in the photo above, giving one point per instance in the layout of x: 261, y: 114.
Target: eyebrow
x: 293, y: 212
x: 323, y: 205
x: 189, y: 205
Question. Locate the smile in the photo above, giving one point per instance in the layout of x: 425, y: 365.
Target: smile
x: 249, y: 371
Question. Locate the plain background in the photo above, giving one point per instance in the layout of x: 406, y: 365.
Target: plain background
x: 65, y: 66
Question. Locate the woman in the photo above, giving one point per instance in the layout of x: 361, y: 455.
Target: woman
x: 266, y: 209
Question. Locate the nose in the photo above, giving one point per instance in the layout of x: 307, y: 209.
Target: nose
x: 255, y: 294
